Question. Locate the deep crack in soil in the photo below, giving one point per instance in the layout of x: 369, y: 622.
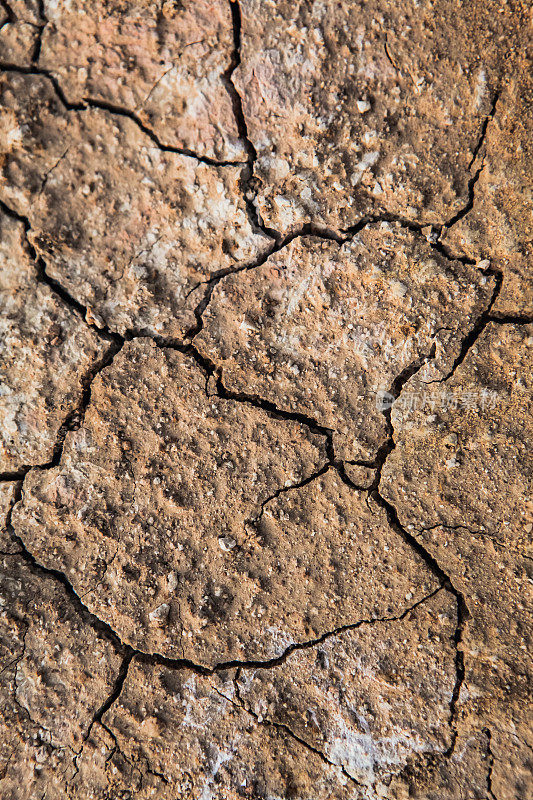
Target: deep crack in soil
x: 202, y: 467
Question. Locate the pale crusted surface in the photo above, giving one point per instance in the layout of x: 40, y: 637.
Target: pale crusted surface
x: 166, y: 63
x: 46, y: 351
x: 8, y: 496
x: 265, y: 400
x: 368, y: 698
x: 192, y: 739
x: 463, y: 477
x: 128, y: 229
x: 17, y: 41
x: 55, y: 673
x: 163, y: 61
x: 499, y: 226
x: 321, y: 327
x: 26, y: 11
x: 464, y: 774
x: 462, y: 455
x: 357, y: 108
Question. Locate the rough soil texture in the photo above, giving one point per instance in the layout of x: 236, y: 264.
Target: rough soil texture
x: 266, y: 344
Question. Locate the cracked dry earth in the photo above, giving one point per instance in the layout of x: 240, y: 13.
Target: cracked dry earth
x: 265, y: 400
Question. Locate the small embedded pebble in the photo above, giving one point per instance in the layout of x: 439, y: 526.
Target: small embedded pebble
x: 159, y: 615
x: 172, y: 581
x: 226, y: 543
x: 398, y: 288
x: 451, y: 438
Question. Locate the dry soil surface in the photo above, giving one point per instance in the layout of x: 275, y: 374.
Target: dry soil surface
x: 266, y: 338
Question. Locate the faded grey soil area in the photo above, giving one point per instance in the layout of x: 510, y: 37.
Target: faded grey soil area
x: 266, y: 339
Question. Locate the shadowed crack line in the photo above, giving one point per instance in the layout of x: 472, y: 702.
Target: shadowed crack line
x: 284, y: 489
x: 441, y: 248
x: 74, y: 418
x: 39, y: 41
x: 469, y: 205
x: 10, y: 14
x: 462, y: 610
x: 411, y: 539
x: 306, y: 230
x: 15, y: 475
x: 100, y: 627
x: 421, y: 531
x: 65, y: 295
x: 15, y: 661
x: 511, y: 319
x: 272, y: 408
x: 389, y: 444
x: 103, y: 105
x: 52, y: 168
x: 490, y: 768
x: 294, y: 416
x: 309, y: 229
x: 389, y: 54
x: 247, y: 174
x: 57, y: 288
x: 153, y: 772
x: 235, y: 61
x: 77, y: 308
x: 481, y: 323
x: 280, y: 726
x: 115, y: 749
x: 393, y: 519
x: 471, y: 187
x: 152, y: 658
x: 115, y: 693
x: 275, y: 661
x: 105, y: 630
x: 104, y: 331
x: 484, y: 128
x: 165, y: 148
x: 209, y: 368
x: 340, y: 468
x: 430, y: 234
x: 331, y: 464
x: 117, y: 342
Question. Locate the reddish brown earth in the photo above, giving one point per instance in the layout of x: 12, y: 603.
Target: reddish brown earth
x: 266, y: 337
